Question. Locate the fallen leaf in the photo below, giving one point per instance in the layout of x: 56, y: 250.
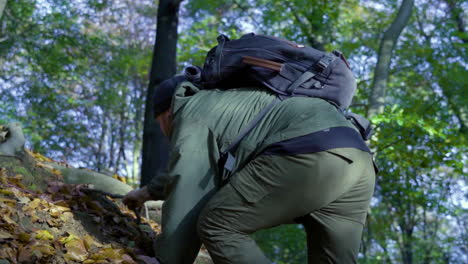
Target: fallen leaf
x: 3, y: 176
x: 108, y: 253
x: 61, y: 203
x: 44, y: 166
x: 70, y: 237
x: 5, y: 191
x: 33, y: 205
x: 76, y: 250
x: 38, y: 156
x: 54, y: 223
x: 8, y: 201
x: 57, y: 211
x: 8, y: 220
x: 5, y: 235
x: 17, y: 180
x: 44, y: 249
x: 90, y: 242
x: 44, y: 235
x: 24, y: 237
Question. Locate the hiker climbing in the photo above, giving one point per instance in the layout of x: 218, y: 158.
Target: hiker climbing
x: 274, y: 146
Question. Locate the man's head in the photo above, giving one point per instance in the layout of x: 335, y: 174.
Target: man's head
x: 162, y: 102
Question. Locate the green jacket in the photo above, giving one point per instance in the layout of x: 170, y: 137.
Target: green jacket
x: 204, y: 124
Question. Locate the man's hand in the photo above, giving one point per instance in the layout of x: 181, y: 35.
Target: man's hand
x: 136, y: 198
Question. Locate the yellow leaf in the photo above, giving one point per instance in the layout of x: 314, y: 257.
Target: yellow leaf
x: 57, y: 173
x: 120, y: 178
x: 10, y: 221
x: 90, y: 242
x: 57, y: 211
x: 6, y: 191
x: 70, y: 237
x: 17, y: 180
x: 76, y: 250
x: 32, y: 205
x: 44, y: 235
x: 39, y: 157
x: 8, y: 201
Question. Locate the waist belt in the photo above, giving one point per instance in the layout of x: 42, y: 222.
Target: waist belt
x: 335, y: 137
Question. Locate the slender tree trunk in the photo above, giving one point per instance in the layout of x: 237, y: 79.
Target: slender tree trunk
x: 100, y: 159
x: 133, y: 169
x: 2, y: 7
x: 387, y: 44
x: 155, y: 145
x: 456, y: 12
x: 121, y: 152
x: 112, y: 147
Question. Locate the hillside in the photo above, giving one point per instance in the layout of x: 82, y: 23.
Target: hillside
x: 47, y: 220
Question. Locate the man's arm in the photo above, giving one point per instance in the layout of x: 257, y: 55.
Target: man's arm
x: 191, y: 183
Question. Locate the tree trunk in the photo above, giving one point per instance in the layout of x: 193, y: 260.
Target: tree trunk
x: 2, y: 7
x: 155, y: 145
x: 387, y: 45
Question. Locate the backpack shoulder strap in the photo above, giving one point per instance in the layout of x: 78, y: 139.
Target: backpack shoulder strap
x: 227, y: 158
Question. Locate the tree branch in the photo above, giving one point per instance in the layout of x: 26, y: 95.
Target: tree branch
x: 2, y: 7
x: 387, y: 45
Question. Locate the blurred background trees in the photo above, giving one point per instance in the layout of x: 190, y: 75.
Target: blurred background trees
x: 75, y: 74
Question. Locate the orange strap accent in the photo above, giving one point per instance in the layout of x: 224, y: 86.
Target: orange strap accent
x: 272, y: 65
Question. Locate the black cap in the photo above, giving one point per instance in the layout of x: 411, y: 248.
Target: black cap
x: 164, y: 91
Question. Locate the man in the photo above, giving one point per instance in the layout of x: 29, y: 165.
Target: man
x: 303, y: 162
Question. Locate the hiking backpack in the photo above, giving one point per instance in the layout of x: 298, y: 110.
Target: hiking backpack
x: 286, y: 68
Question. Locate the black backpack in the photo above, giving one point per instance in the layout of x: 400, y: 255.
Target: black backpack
x: 286, y: 68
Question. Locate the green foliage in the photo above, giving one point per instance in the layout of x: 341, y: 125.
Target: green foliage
x: 291, y: 235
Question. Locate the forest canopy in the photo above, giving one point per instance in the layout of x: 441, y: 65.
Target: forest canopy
x: 75, y: 75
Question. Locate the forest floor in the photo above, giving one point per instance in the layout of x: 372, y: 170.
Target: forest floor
x: 44, y: 220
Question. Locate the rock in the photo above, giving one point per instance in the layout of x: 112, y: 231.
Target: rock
x: 14, y: 140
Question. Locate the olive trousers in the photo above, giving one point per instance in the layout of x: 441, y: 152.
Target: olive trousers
x: 328, y: 192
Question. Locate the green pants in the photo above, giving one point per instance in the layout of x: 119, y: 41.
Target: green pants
x: 328, y: 192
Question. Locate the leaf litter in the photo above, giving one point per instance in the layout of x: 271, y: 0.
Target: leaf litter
x: 65, y: 224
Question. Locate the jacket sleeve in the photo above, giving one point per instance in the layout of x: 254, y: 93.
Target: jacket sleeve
x: 191, y: 183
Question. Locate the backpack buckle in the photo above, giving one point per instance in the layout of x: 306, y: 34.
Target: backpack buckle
x: 324, y: 62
